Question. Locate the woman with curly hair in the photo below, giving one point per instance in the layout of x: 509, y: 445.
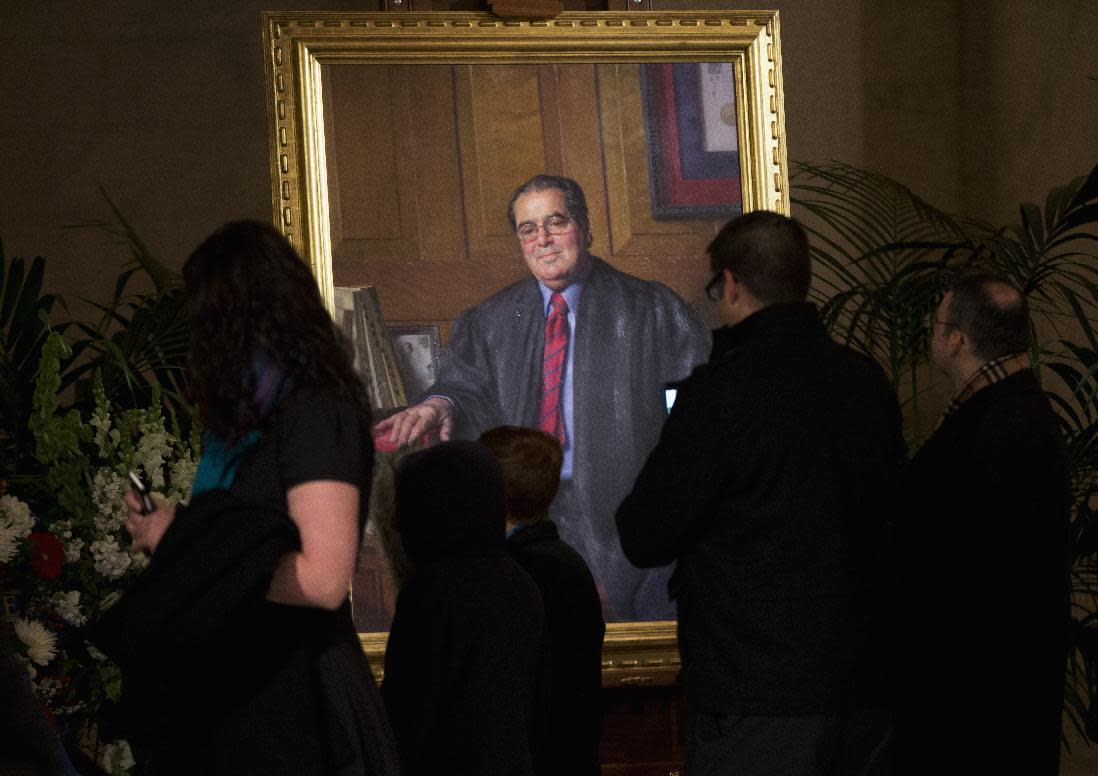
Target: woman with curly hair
x: 237, y: 647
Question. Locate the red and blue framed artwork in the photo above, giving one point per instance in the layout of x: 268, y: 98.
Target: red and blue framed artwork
x: 691, y: 131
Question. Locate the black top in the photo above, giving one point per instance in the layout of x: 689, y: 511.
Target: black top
x: 571, y: 704
x: 313, y: 435
x: 771, y: 485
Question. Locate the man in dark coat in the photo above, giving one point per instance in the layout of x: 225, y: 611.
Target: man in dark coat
x: 627, y: 338
x: 464, y: 654
x: 772, y: 485
x: 984, y: 551
x: 570, y: 702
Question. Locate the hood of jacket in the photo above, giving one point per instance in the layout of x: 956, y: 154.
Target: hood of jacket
x: 450, y: 503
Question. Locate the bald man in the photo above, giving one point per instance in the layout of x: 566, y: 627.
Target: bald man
x: 984, y: 602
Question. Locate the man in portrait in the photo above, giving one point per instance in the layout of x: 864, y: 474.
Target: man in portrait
x: 984, y: 553
x: 582, y: 351
x: 772, y: 487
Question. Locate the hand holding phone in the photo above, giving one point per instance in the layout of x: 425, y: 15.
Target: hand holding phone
x: 141, y: 490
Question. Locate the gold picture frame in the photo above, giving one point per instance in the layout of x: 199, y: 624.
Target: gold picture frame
x: 299, y: 46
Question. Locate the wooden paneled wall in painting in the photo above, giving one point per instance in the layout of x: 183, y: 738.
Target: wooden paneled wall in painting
x: 422, y: 160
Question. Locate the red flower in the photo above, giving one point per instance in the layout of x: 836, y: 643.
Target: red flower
x: 47, y: 554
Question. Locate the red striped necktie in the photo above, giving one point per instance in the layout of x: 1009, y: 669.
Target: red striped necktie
x: 551, y: 417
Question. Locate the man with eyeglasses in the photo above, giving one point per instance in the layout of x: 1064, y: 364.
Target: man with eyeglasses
x: 983, y: 550
x: 772, y: 486
x: 583, y: 352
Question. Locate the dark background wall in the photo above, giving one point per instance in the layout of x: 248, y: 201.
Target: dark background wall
x: 975, y: 104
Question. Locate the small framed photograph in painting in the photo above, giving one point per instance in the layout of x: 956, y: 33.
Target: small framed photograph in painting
x: 417, y: 354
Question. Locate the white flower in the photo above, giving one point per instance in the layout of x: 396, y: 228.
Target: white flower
x: 9, y: 545
x: 117, y: 758
x: 73, y: 548
x: 40, y: 642
x: 16, y: 514
x: 62, y: 529
x: 101, y: 422
x: 108, y: 494
x: 94, y: 653
x: 110, y: 559
x: 182, y: 471
x: 68, y: 607
x: 16, y: 522
x: 154, y: 447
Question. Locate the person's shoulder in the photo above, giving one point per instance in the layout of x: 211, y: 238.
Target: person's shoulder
x: 522, y: 291
x: 1014, y: 406
x: 558, y: 570
x: 316, y: 414
x: 605, y: 275
x: 503, y: 305
x: 544, y: 549
x: 858, y: 361
x: 321, y: 400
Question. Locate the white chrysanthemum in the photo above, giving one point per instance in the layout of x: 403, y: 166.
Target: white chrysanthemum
x: 16, y: 514
x: 16, y: 522
x: 40, y: 642
x: 67, y: 606
x: 110, y: 559
x: 9, y: 545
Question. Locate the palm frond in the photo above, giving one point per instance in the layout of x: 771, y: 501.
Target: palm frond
x: 879, y: 251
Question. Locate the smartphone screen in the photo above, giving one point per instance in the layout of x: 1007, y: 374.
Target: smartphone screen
x: 669, y: 394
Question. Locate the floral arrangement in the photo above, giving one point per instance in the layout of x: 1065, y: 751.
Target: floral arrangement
x: 64, y: 557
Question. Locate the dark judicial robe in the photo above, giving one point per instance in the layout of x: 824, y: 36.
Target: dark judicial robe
x: 632, y: 338
x: 984, y: 602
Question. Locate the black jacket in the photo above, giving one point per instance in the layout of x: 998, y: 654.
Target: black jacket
x: 772, y: 485
x: 983, y: 549
x: 574, y: 628
x: 216, y: 679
